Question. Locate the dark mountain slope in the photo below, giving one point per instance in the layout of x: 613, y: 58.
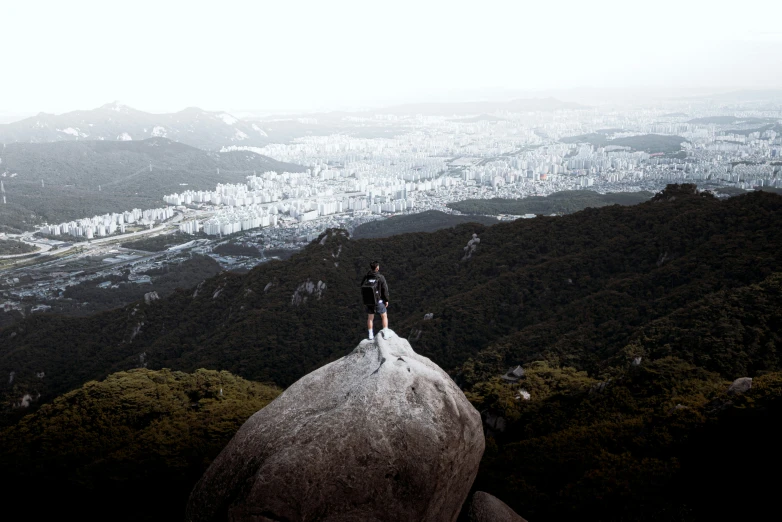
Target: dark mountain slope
x: 657, y: 441
x: 631, y: 323
x: 428, y: 221
x: 581, y: 308
x: 144, y: 435
x: 563, y: 202
x: 84, y: 178
x: 575, y: 289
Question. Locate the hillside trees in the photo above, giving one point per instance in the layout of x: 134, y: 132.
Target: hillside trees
x: 143, y: 434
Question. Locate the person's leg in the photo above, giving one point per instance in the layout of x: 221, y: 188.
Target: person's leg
x: 384, y: 316
x: 370, y: 322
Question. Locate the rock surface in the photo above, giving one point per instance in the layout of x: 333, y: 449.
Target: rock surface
x: 488, y: 508
x: 382, y: 434
x: 740, y: 385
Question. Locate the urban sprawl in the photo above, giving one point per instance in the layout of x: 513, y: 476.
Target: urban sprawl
x: 428, y: 162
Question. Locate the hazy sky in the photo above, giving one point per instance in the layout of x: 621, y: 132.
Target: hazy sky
x: 165, y: 55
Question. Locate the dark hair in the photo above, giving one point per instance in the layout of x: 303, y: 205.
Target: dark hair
x: 373, y: 265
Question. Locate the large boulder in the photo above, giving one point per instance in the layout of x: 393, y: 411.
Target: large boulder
x: 488, y: 508
x: 740, y: 385
x: 382, y: 434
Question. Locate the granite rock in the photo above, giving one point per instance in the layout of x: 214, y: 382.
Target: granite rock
x: 382, y: 434
x: 488, y: 508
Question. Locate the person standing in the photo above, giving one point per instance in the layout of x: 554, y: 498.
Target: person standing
x: 374, y: 291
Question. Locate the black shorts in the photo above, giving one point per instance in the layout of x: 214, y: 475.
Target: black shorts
x: 379, y: 308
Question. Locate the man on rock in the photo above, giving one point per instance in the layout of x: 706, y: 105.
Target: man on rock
x: 374, y: 290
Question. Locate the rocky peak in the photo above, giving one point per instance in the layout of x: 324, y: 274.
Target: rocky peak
x: 380, y: 434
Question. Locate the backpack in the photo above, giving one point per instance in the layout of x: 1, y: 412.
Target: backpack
x: 370, y: 292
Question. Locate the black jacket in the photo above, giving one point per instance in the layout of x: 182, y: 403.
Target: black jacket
x: 382, y: 281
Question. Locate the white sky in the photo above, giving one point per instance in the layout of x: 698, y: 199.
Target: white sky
x: 165, y: 55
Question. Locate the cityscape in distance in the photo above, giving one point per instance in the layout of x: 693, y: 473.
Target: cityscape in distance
x: 351, y: 168
x: 426, y: 261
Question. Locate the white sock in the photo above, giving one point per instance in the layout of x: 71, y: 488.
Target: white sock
x: 371, y: 336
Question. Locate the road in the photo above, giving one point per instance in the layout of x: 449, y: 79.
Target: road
x: 46, y: 249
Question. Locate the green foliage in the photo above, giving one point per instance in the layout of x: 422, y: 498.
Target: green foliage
x: 428, y: 221
x: 88, y: 298
x: 237, y: 249
x: 139, y: 432
x: 651, y: 143
x: 158, y: 243
x: 10, y: 247
x: 564, y: 202
x: 632, y: 450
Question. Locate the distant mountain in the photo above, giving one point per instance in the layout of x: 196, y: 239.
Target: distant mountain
x: 84, y: 178
x: 116, y: 122
x: 518, y: 105
x: 428, y: 221
x: 729, y: 120
x: 746, y: 96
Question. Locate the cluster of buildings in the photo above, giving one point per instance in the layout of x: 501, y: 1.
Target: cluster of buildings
x: 109, y: 224
x: 438, y: 160
x: 431, y: 162
x: 300, y: 197
x: 231, y: 220
x: 435, y: 160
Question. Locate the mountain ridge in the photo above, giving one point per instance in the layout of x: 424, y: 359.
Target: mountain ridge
x: 115, y: 122
x: 610, y: 261
x: 83, y: 178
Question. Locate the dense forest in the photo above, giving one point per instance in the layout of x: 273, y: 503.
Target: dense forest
x: 10, y: 247
x: 631, y: 322
x: 237, y: 249
x: 158, y: 243
x: 428, y: 221
x: 139, y: 439
x: 563, y: 202
x: 107, y: 293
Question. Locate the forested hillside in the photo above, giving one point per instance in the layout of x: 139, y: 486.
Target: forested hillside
x: 139, y: 439
x: 56, y: 182
x: 13, y: 248
x: 428, y: 221
x: 563, y: 202
x: 631, y: 322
